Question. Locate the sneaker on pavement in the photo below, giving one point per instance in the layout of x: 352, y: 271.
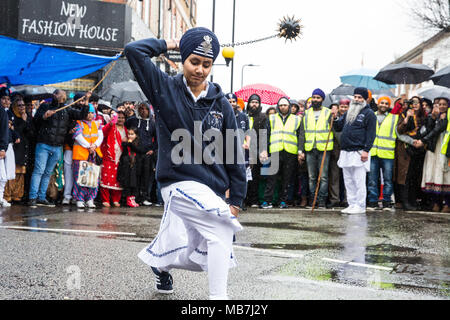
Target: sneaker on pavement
x: 164, y: 281
x: 158, y: 204
x: 283, y: 205
x: 80, y: 204
x: 356, y: 210
x: 32, y: 203
x: 254, y: 205
x: 146, y: 203
x: 5, y: 204
x: 90, y: 204
x: 45, y: 203
x: 346, y: 209
x: 266, y: 205
x: 66, y: 201
x: 372, y: 206
x: 387, y: 206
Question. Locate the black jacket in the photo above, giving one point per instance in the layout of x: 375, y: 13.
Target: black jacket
x: 4, y: 130
x: 129, y: 170
x: 433, y: 129
x: 359, y: 135
x: 52, y: 131
x: 25, y: 132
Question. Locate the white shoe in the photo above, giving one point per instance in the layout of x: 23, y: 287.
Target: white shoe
x: 147, y: 203
x: 66, y: 202
x: 80, y: 204
x: 347, y: 209
x: 90, y: 204
x: 356, y: 210
x: 5, y: 204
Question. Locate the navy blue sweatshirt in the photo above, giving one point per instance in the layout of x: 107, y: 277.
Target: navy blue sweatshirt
x: 175, y: 109
x: 359, y: 135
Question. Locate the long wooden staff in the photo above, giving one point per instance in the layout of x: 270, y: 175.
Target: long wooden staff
x: 321, y: 166
x: 93, y: 88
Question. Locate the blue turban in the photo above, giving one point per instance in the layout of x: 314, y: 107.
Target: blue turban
x: 231, y: 96
x: 91, y: 108
x: 199, y: 41
x: 362, y: 91
x: 319, y: 92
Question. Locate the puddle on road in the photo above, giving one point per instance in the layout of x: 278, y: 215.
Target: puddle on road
x: 292, y: 226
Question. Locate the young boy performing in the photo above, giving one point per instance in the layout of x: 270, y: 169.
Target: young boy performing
x: 197, y: 227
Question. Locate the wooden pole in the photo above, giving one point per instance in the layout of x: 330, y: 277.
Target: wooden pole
x: 321, y: 166
x: 93, y: 88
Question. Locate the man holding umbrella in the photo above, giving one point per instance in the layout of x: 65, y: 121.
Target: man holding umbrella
x: 358, y: 128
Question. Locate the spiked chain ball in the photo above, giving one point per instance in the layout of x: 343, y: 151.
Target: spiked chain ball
x: 289, y: 28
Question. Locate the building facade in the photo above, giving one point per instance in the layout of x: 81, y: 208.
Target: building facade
x: 101, y: 27
x: 434, y: 52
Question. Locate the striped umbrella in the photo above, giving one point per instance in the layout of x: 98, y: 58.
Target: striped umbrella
x: 269, y: 94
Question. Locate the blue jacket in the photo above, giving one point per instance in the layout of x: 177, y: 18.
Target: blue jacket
x: 175, y: 109
x: 359, y: 135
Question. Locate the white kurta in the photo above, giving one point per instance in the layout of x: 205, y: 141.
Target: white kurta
x: 7, y: 169
x: 354, y: 172
x: 196, y: 233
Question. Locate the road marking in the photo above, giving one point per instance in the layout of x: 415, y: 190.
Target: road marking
x: 358, y: 264
x: 68, y: 230
x: 278, y: 253
x: 300, y: 256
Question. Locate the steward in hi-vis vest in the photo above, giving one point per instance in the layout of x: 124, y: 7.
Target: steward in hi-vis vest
x: 382, y: 156
x: 314, y: 132
x: 283, y: 132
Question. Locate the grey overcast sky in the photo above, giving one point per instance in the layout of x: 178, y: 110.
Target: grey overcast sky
x: 337, y: 37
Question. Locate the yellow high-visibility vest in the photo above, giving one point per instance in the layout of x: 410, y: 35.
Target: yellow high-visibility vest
x: 250, y: 119
x: 447, y: 135
x: 318, y: 131
x: 384, y: 144
x: 284, y: 136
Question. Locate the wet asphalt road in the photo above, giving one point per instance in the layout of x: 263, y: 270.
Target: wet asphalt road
x: 282, y: 254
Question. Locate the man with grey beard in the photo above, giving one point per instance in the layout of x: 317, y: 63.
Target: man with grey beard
x: 358, y: 128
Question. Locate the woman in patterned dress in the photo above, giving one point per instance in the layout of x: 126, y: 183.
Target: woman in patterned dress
x: 114, y: 134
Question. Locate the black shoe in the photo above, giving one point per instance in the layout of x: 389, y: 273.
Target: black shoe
x: 45, y: 203
x: 32, y: 203
x: 387, y: 206
x: 372, y: 206
x: 164, y: 281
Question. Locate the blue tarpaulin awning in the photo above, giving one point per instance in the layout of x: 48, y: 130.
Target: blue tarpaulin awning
x: 28, y: 63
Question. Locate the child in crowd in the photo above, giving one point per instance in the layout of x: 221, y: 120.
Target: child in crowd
x: 130, y: 166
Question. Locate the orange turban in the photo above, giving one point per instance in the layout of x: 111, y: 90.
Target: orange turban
x: 385, y: 98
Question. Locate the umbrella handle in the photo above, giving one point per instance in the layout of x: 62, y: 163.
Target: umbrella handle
x: 93, y: 88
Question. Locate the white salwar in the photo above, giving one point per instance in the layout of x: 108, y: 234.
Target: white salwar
x: 196, y: 234
x: 7, y: 169
x: 354, y: 172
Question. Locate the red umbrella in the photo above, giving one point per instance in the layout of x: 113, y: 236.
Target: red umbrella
x: 269, y: 94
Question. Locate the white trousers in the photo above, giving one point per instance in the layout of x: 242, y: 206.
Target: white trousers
x: 7, y: 169
x: 68, y: 174
x: 355, y: 185
x: 196, y: 234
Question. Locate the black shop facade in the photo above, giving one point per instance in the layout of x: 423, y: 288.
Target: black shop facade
x: 85, y: 26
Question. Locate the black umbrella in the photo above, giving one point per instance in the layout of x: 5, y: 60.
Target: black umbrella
x: 442, y: 77
x: 404, y: 73
x: 343, y: 90
x: 124, y: 91
x: 34, y: 91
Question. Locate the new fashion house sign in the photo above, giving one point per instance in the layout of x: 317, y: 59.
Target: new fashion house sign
x: 84, y: 23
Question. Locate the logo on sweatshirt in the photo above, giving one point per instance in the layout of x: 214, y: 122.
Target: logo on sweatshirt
x: 215, y: 120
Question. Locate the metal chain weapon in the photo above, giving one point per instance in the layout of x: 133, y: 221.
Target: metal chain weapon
x: 288, y: 28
